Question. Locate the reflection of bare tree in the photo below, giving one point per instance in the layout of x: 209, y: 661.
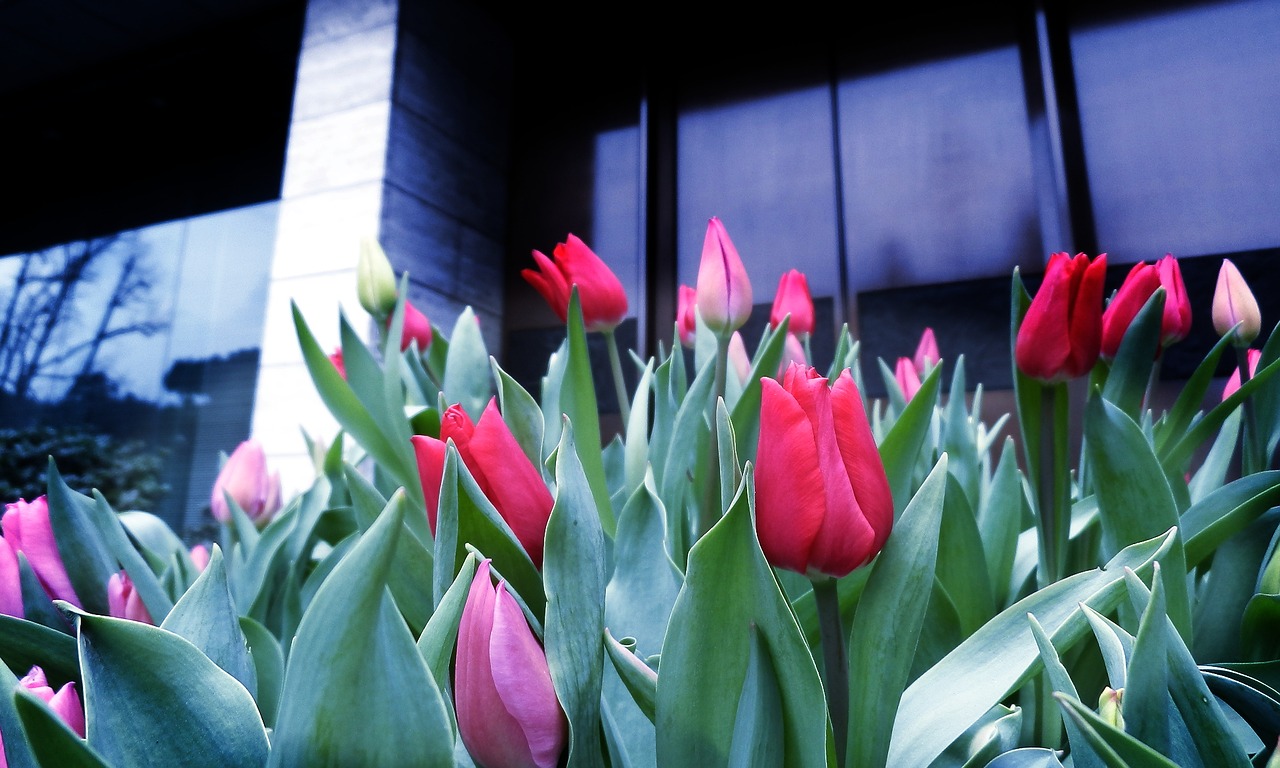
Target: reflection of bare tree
x: 40, y: 311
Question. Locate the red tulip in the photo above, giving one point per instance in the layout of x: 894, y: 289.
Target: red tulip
x: 27, y: 530
x: 1177, y: 307
x: 416, y: 328
x: 123, y: 601
x: 927, y: 354
x: 793, y: 299
x: 508, y: 714
x: 1062, y: 332
x: 686, y: 315
x: 1233, y: 382
x: 724, y: 292
x: 822, y: 498
x: 604, y: 302
x: 1138, y: 285
x: 506, y: 476
x: 907, y: 377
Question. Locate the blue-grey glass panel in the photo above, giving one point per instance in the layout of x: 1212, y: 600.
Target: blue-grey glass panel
x: 1181, y: 119
x: 937, y: 171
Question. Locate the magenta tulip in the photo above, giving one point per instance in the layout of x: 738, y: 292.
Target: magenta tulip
x: 338, y: 362
x: 123, y: 601
x: 416, y: 328
x: 927, y: 354
x: 686, y: 315
x: 245, y: 478
x: 508, y: 714
x: 823, y: 504
x: 1233, y: 382
x: 65, y: 703
x: 907, y: 377
x: 1061, y: 334
x: 1177, y: 307
x: 604, y: 302
x: 793, y: 299
x: 724, y: 292
x: 27, y: 530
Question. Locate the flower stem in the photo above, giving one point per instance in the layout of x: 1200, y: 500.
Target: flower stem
x: 1054, y: 484
x: 712, y: 505
x: 1250, y: 455
x: 619, y: 382
x: 835, y: 661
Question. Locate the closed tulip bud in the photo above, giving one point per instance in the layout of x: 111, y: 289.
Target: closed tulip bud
x: 338, y: 362
x: 123, y: 601
x: 1060, y: 336
x: 1109, y: 707
x: 739, y: 360
x: 1233, y: 382
x: 604, y: 302
x: 1139, y: 284
x: 245, y: 478
x: 508, y: 714
x: 1177, y: 307
x: 27, y: 530
x: 686, y: 315
x: 724, y: 292
x: 416, y: 328
x: 65, y: 703
x: 10, y: 582
x: 793, y: 299
x: 1234, y: 304
x: 908, y: 380
x: 375, y: 280
x: 200, y: 557
x: 927, y: 354
x: 823, y: 504
x: 505, y: 475
x: 792, y: 354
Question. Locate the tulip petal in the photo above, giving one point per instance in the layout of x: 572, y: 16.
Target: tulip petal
x: 510, y: 481
x: 1042, y: 347
x: 27, y: 528
x: 67, y: 706
x: 1139, y: 284
x: 1085, y: 320
x: 550, y: 283
x: 790, y: 498
x: 862, y: 463
x: 523, y: 682
x: 724, y: 292
x: 430, y: 453
x: 10, y: 582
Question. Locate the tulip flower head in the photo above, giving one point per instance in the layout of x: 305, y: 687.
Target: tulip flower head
x: 500, y: 467
x: 1234, y: 382
x: 508, y: 714
x: 686, y: 315
x: 416, y: 328
x: 336, y: 359
x: 200, y: 557
x: 1139, y: 284
x: 27, y: 529
x: 1177, y: 307
x: 10, y: 582
x: 738, y: 358
x: 823, y: 504
x: 1060, y: 336
x: 65, y: 703
x: 1234, y: 305
x: 907, y: 377
x: 604, y: 302
x: 793, y: 299
x: 724, y: 292
x: 792, y: 354
x: 375, y: 280
x: 123, y: 601
x: 927, y: 355
x: 245, y: 478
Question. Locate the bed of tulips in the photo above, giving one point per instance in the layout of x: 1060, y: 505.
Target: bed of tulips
x: 763, y: 568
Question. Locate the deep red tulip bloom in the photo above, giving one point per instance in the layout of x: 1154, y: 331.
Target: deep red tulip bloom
x: 508, y: 714
x: 604, y: 302
x: 907, y: 377
x: 1135, y: 291
x: 724, y: 292
x: 1062, y: 332
x: 27, y: 530
x: 1233, y: 382
x: 1177, y: 307
x: 506, y: 476
x: 686, y: 315
x: 927, y: 354
x: 416, y: 328
x: 793, y: 299
x: 823, y: 504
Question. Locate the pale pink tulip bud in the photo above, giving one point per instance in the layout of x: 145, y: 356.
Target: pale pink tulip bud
x: 738, y: 358
x: 724, y: 292
x: 927, y: 354
x: 686, y: 315
x: 1234, y: 304
x: 200, y: 557
x: 27, y: 530
x: 792, y: 354
x: 245, y: 478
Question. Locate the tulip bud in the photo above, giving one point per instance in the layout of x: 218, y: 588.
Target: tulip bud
x: 1139, y: 284
x: 1234, y: 382
x: 508, y: 714
x: 27, y: 530
x: 907, y: 378
x: 10, y: 582
x: 123, y: 601
x: 603, y: 300
x: 65, y: 703
x: 724, y: 292
x: 823, y: 503
x: 738, y: 358
x: 416, y: 328
x: 1234, y: 304
x: 1177, y: 307
x: 200, y: 557
x: 336, y: 359
x: 793, y: 299
x: 792, y: 354
x: 245, y: 478
x: 927, y: 354
x: 1109, y: 707
x: 686, y: 315
x: 375, y: 280
x: 1060, y: 336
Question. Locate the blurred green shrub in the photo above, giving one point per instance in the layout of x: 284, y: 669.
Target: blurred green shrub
x: 128, y: 473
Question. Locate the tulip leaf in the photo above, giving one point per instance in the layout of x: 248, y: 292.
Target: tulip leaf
x: 354, y: 661
x: 1221, y: 601
x: 757, y: 726
x: 645, y: 582
x: 16, y: 750
x: 1113, y: 746
x: 24, y: 644
x: 37, y: 607
x: 268, y: 665
x: 1116, y: 645
x: 207, y: 616
x: 1082, y: 754
x: 578, y: 403
x: 364, y: 375
x: 958, y: 438
x: 888, y: 621
x: 1026, y: 757
x: 466, y: 372
x: 440, y: 636
x: 728, y: 588
x: 961, y: 560
x: 86, y: 558
x: 746, y: 411
x: 639, y: 679
x: 117, y: 542
x: 1000, y: 521
x: 521, y: 413
x: 1001, y: 655
x: 1028, y: 392
x: 1173, y: 425
x: 139, y: 683
x: 1213, y: 470
x: 467, y: 517
x: 1126, y: 385
x: 900, y: 449
x: 50, y: 740
x: 1179, y: 453
x: 636, y: 455
x: 1227, y: 511
x: 677, y: 486
x: 574, y: 578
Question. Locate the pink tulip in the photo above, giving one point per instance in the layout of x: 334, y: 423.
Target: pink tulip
x: 603, y: 299
x: 792, y: 354
x: 1234, y: 304
x: 508, y: 714
x: 686, y: 316
x: 10, y: 582
x: 200, y: 557
x: 336, y: 359
x: 738, y: 358
x: 245, y: 478
x: 123, y: 601
x: 793, y: 299
x: 416, y: 328
x: 65, y: 703
x: 27, y: 530
x: 724, y: 292
x: 907, y: 378
x: 927, y: 354
x: 1233, y: 383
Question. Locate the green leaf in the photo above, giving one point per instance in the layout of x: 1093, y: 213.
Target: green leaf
x: 888, y: 621
x: 1227, y: 511
x: 728, y: 588
x: 1116, y: 748
x: 684, y: 460
x: 37, y: 607
x: 51, y: 741
x: 900, y: 449
x: 354, y: 661
x: 140, y: 686
x: 1028, y: 392
x: 1184, y: 445
x: 207, y: 616
x: 117, y: 542
x: 466, y: 373
x: 1000, y: 520
x: 1027, y: 757
x: 23, y: 644
x: 268, y: 665
x: 757, y: 726
x: 440, y: 637
x: 962, y: 567
x: 1213, y: 471
x: 645, y: 582
x: 958, y: 438
x: 574, y: 579
x: 1082, y: 755
x: 578, y: 403
x: 640, y: 680
x: 1174, y: 424
x: 1001, y: 655
x: 636, y: 456
x: 88, y: 561
x: 1126, y: 385
x: 1116, y: 646
x: 17, y: 749
x: 521, y: 414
